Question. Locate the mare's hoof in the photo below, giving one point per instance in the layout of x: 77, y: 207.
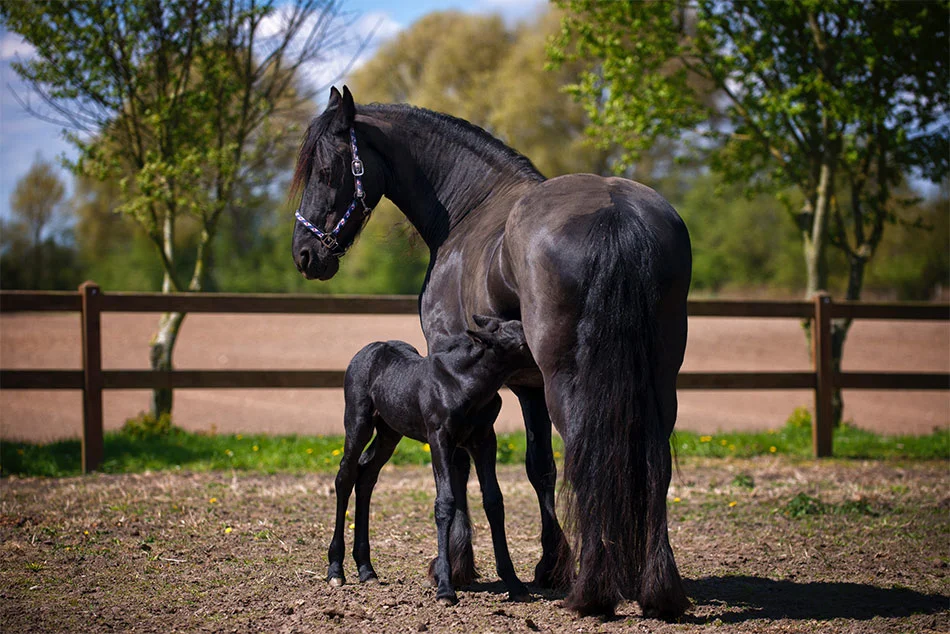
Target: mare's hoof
x: 370, y: 581
x: 519, y: 597
x: 448, y: 601
x: 336, y: 582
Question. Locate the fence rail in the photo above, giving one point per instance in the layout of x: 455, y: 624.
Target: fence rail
x: 91, y: 302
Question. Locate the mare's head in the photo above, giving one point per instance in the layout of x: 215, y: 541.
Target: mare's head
x: 504, y: 338
x: 338, y: 176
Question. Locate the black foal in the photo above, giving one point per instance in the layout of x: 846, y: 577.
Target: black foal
x: 448, y: 399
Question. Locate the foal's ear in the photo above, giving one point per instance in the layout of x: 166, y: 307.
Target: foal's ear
x: 487, y: 322
x: 480, y: 337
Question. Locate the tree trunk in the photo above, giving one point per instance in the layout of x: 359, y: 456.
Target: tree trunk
x: 160, y: 357
x: 163, y: 342
x: 815, y: 238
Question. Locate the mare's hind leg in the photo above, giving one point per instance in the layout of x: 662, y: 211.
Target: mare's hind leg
x: 358, y: 421
x: 372, y: 460
x: 556, y: 568
x: 461, y: 553
x: 661, y: 593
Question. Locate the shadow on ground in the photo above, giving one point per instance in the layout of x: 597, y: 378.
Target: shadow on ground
x: 759, y: 598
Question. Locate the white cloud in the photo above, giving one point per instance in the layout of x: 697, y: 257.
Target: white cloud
x: 13, y: 46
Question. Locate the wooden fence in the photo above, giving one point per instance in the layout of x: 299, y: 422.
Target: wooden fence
x: 91, y: 302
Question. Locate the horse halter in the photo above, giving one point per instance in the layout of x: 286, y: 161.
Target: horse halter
x: 329, y: 239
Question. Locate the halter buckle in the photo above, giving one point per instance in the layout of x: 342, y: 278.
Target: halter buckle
x: 357, y: 167
x: 329, y: 242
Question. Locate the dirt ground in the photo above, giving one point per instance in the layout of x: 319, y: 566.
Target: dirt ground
x: 169, y: 552
x: 51, y: 341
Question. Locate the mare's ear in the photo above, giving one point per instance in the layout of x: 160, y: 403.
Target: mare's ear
x: 335, y: 98
x: 487, y: 322
x: 347, y: 111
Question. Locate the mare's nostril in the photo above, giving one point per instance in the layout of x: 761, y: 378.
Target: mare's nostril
x: 304, y: 259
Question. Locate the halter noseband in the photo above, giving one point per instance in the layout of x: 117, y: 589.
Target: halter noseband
x: 329, y: 239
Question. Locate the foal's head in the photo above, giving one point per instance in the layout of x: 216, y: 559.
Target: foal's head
x: 504, y: 339
x: 338, y: 177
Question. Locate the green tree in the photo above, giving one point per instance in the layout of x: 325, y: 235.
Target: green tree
x: 180, y: 95
x: 35, y: 201
x: 839, y: 100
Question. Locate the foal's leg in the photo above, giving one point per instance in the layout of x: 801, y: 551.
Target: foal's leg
x: 444, y: 513
x: 372, y: 460
x: 484, y: 450
x: 358, y: 421
x: 556, y: 568
x: 461, y: 554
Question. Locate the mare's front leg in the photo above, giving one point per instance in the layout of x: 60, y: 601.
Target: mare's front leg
x: 358, y: 421
x: 372, y: 460
x: 484, y: 448
x: 556, y: 568
x: 441, y: 450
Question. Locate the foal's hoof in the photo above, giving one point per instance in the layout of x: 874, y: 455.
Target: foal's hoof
x: 336, y: 582
x: 448, y: 601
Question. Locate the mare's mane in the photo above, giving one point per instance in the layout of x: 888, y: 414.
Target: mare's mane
x: 437, y: 128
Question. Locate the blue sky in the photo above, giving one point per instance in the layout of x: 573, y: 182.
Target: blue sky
x: 23, y: 136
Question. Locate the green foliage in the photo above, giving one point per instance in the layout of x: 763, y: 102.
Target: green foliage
x: 146, y: 425
x: 804, y: 505
x: 34, y: 247
x: 838, y: 100
x: 476, y: 68
x: 743, y: 481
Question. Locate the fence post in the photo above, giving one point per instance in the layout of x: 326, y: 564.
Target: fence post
x: 92, y: 437
x: 824, y: 377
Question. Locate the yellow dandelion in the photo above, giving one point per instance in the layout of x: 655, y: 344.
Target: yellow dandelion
x: 732, y: 447
x: 85, y: 532
x: 705, y: 439
x: 511, y: 446
x: 426, y: 448
x: 557, y: 454
x: 352, y: 526
x: 255, y: 448
x: 347, y: 513
x: 723, y: 442
x: 227, y: 531
x: 773, y: 449
x: 213, y: 501
x: 240, y: 437
x: 733, y: 503
x: 336, y: 452
x: 676, y: 500
x: 309, y: 450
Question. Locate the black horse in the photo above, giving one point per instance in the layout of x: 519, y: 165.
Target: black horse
x: 596, y: 268
x: 448, y: 399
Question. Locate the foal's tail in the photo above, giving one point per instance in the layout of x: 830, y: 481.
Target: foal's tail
x: 615, y: 440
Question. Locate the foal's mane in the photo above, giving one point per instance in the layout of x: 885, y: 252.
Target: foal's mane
x: 439, y: 127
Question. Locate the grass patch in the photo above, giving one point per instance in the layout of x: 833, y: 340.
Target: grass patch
x: 804, y: 505
x: 147, y: 446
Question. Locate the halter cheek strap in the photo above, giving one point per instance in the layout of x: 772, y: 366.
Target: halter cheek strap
x: 329, y: 239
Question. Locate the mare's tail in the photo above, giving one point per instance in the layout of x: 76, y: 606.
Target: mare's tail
x: 617, y: 450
